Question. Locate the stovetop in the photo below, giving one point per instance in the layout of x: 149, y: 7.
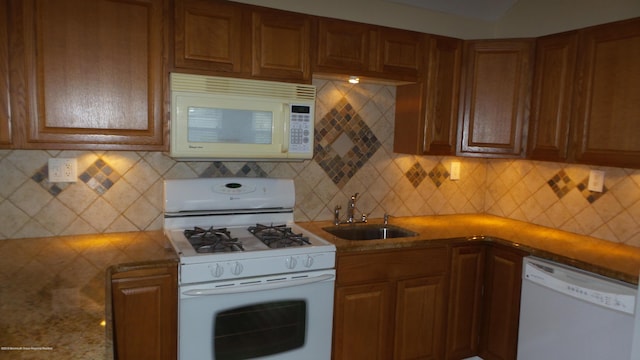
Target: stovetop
x: 234, y: 223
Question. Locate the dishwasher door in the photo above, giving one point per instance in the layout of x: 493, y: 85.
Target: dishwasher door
x: 569, y: 314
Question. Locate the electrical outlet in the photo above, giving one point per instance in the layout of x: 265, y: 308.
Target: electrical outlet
x: 455, y: 170
x: 596, y: 180
x: 63, y: 170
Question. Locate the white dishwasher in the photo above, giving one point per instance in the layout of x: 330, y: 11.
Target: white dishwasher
x: 570, y: 314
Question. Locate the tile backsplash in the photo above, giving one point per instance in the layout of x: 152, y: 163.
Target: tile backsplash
x: 122, y: 191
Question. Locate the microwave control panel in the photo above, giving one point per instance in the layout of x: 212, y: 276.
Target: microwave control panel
x: 301, y: 129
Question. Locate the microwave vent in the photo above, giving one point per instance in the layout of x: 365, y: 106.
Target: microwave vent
x: 241, y: 87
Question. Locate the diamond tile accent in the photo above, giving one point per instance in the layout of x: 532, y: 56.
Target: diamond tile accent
x: 591, y: 196
x: 219, y: 169
x: 42, y: 177
x: 561, y: 184
x: 416, y: 174
x: 99, y: 176
x: 438, y: 174
x: 341, y: 164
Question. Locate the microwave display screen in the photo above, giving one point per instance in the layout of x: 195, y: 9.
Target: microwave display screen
x: 216, y: 125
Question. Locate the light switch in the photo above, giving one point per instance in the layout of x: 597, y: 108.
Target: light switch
x: 596, y: 180
x: 455, y: 170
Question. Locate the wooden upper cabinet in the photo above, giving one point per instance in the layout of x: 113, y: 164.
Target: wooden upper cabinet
x: 92, y: 73
x: 400, y: 54
x: 215, y: 37
x: 5, y: 115
x: 427, y: 111
x: 553, y: 89
x: 281, y: 46
x: 496, y: 82
x: 345, y: 47
x: 607, y: 114
x: 208, y: 36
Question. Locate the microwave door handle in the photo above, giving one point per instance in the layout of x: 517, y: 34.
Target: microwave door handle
x: 258, y: 287
x: 286, y: 108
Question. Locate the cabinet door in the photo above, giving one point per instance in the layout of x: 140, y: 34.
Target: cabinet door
x: 554, y: 76
x: 420, y: 318
x: 496, y: 88
x: 5, y: 116
x: 145, y: 307
x: 502, y: 304
x: 93, y: 73
x: 607, y: 123
x: 427, y: 112
x: 281, y: 46
x: 362, y: 322
x: 400, y: 54
x: 343, y: 47
x: 465, y: 301
x: 208, y: 36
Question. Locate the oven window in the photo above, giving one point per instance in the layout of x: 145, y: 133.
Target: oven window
x: 259, y: 330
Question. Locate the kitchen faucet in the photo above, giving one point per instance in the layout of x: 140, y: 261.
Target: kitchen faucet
x: 351, y: 208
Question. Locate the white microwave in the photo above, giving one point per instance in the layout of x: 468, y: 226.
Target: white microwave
x: 223, y: 118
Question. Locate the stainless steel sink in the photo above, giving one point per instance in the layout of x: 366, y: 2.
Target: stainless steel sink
x: 368, y: 231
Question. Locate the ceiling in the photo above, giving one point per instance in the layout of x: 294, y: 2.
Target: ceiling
x: 488, y: 10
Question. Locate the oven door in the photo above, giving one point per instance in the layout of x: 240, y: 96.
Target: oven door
x: 273, y: 317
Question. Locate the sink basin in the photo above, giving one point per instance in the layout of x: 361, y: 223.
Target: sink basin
x: 368, y: 231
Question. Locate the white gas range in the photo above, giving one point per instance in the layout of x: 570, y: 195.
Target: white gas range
x: 252, y: 283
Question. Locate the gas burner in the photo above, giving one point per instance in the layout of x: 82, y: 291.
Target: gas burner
x: 212, y: 240
x: 278, y: 236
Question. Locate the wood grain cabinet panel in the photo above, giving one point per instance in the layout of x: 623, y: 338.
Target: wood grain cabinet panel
x: 343, y: 47
x: 350, y: 48
x: 427, y: 112
x: 208, y: 36
x: 92, y: 72
x: 503, y: 281
x: 145, y: 307
x: 606, y: 115
x: 281, y: 45
x: 5, y: 115
x: 465, y: 301
x: 495, y: 97
x: 420, y: 318
x: 390, y: 304
x: 361, y: 322
x: 552, y: 96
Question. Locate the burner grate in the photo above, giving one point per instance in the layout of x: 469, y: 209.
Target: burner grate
x: 278, y: 236
x: 212, y: 240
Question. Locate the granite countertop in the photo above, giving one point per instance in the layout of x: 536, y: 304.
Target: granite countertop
x: 53, y: 291
x: 610, y: 259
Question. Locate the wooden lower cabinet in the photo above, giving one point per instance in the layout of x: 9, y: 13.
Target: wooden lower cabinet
x: 419, y: 318
x: 361, y: 324
x: 144, y: 304
x: 390, y: 304
x: 465, y: 301
x: 501, y: 313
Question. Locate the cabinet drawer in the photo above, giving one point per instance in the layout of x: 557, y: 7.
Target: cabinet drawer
x: 390, y: 264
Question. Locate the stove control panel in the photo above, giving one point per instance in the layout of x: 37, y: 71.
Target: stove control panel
x: 242, y: 268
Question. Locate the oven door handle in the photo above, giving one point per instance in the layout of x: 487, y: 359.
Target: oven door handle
x: 258, y: 287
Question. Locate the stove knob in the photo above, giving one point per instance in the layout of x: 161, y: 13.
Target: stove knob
x: 308, y: 262
x: 291, y: 262
x: 217, y: 271
x: 236, y: 269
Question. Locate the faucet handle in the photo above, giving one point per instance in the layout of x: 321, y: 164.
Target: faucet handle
x: 354, y: 196
x: 385, y: 219
x: 364, y: 217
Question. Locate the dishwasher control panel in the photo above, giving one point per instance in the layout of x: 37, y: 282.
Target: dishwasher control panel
x: 580, y: 286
